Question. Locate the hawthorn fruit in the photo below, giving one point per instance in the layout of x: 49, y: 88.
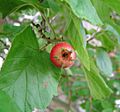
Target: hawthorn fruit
x: 62, y: 55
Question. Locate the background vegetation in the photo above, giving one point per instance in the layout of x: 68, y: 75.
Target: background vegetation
x: 30, y: 82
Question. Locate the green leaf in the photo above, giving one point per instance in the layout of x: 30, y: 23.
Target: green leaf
x: 80, y: 29
x: 83, y: 88
x: 83, y: 55
x: 32, y: 1
x: 85, y: 10
x: 98, y: 88
x: 53, y: 5
x: 10, y: 31
x: 7, y: 104
x: 27, y: 75
x: 113, y: 5
x: 114, y: 29
x: 76, y: 39
x: 59, y: 110
x: 76, y: 33
x: 108, y: 110
x: 107, y: 42
x: 104, y: 12
x: 103, y: 62
x: 107, y: 104
x: 9, y: 6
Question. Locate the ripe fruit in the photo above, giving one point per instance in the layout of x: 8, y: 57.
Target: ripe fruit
x: 62, y: 55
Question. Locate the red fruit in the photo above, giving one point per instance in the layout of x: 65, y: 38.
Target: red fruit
x: 62, y: 55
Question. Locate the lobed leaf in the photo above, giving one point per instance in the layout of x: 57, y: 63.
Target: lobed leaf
x: 27, y: 75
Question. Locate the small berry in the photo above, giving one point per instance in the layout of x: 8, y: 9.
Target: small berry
x: 62, y: 55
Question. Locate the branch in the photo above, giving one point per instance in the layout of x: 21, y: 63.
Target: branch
x: 6, y: 46
x: 90, y: 103
x: 43, y: 35
x: 98, y: 33
x: 49, y: 24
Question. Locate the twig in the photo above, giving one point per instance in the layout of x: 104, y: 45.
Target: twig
x: 93, y: 35
x: 44, y: 37
x: 49, y: 24
x: 2, y: 21
x: 6, y: 46
x: 39, y: 8
x: 42, y: 48
x: 69, y: 99
x: 2, y: 57
x: 90, y: 39
x: 70, y: 82
x: 90, y: 103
